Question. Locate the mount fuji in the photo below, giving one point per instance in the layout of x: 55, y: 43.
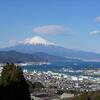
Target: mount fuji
x: 38, y: 44
x: 37, y: 40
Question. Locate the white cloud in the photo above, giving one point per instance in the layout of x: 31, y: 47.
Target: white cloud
x: 11, y: 42
x: 98, y: 19
x: 51, y: 29
x: 96, y: 32
x: 14, y: 41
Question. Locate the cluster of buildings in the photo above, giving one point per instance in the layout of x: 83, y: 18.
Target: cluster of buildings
x: 64, y: 82
x: 64, y: 86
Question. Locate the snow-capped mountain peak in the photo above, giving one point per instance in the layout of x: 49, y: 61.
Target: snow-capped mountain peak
x: 37, y: 40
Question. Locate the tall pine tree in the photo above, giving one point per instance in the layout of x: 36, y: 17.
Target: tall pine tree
x: 13, y: 85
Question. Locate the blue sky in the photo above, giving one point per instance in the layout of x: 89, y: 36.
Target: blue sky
x: 70, y: 23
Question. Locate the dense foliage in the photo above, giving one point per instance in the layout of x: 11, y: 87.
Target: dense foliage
x: 13, y: 85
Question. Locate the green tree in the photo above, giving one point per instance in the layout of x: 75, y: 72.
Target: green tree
x: 13, y: 85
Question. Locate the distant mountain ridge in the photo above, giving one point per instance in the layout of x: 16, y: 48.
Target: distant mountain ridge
x: 17, y: 57
x: 38, y: 44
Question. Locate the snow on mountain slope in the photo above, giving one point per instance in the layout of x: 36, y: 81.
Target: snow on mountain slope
x: 36, y: 40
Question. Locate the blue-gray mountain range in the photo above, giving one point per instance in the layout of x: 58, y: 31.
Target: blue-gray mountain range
x: 30, y: 47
